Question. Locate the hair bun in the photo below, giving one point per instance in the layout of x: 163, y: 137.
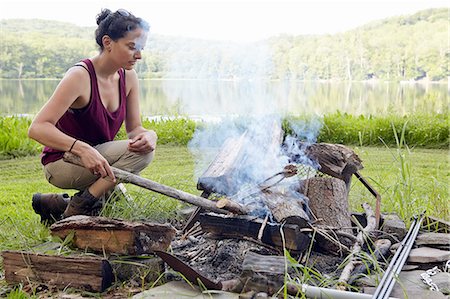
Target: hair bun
x: 103, y: 15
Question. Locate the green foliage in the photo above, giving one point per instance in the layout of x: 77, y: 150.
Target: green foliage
x: 390, y: 49
x: 429, y: 131
x: 14, y: 141
x: 426, y: 131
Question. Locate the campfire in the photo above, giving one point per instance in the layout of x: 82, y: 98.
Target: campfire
x: 259, y: 220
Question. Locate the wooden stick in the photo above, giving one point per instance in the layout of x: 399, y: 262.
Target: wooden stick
x: 356, y: 248
x: 232, y: 206
x: 129, y: 177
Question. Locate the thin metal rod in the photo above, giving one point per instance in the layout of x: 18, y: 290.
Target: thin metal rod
x: 386, y: 284
x: 398, y: 267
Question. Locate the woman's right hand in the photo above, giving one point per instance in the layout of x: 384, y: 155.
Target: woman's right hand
x: 93, y: 160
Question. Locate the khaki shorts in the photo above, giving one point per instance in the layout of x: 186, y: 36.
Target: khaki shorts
x: 66, y: 175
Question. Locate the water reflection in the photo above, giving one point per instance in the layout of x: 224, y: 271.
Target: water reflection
x: 200, y: 98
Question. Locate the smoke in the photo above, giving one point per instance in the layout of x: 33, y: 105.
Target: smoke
x: 245, y: 111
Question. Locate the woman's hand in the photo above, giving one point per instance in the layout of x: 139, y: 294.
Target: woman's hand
x: 96, y: 163
x: 144, y: 142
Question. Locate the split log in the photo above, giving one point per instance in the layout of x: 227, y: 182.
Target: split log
x: 87, y: 273
x: 218, y: 176
x: 240, y: 227
x: 227, y: 172
x: 129, y: 177
x: 353, y: 260
x: 286, y: 208
x: 115, y: 236
x: 335, y: 160
x: 327, y: 200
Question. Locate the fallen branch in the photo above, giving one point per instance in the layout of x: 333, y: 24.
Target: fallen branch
x: 129, y: 177
x: 353, y: 260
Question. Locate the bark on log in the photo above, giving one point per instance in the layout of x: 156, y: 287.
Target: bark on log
x: 128, y: 177
x: 353, y: 260
x: 239, y: 227
x: 327, y: 200
x: 115, y: 236
x: 88, y: 273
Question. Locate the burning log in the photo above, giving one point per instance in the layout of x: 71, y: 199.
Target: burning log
x: 222, y: 175
x: 286, y: 208
x: 244, y: 227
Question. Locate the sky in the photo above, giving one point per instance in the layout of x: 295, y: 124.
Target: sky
x: 232, y: 20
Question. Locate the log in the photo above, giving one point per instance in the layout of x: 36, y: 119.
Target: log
x: 87, y: 273
x: 102, y: 234
x: 242, y: 227
x: 335, y: 160
x: 235, y: 160
x: 286, y: 208
x: 218, y: 176
x: 129, y: 177
x: 327, y: 200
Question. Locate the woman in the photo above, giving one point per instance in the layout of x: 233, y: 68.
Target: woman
x: 84, y: 115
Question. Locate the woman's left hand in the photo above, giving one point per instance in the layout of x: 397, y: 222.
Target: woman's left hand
x: 144, y: 142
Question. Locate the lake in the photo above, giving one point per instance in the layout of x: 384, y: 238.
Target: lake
x: 214, y: 99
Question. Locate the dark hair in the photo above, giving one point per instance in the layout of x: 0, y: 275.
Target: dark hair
x: 116, y: 24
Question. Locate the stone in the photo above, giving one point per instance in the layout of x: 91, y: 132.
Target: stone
x: 433, y: 239
x: 428, y: 255
x: 393, y: 225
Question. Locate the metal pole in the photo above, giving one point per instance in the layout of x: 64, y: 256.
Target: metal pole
x: 387, y: 282
x: 387, y: 288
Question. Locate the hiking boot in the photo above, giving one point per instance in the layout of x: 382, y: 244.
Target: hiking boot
x: 83, y: 203
x: 50, y: 206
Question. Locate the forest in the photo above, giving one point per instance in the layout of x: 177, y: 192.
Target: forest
x: 405, y: 48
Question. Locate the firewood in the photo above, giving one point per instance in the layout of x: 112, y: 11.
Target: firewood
x: 223, y: 175
x: 335, y: 160
x: 232, y: 206
x: 356, y: 248
x: 286, y: 208
x: 328, y: 200
x: 87, y: 273
x: 241, y: 227
x: 115, y: 236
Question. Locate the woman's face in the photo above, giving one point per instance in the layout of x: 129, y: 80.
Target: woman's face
x: 127, y: 50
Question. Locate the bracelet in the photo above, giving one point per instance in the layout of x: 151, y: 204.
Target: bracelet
x: 70, y: 149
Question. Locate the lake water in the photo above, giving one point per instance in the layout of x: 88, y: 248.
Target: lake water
x: 206, y: 99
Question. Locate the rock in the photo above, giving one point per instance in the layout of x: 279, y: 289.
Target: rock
x: 428, y: 255
x: 410, y: 284
x: 393, y: 225
x: 433, y: 239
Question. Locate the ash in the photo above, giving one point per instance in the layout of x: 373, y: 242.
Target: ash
x: 222, y: 259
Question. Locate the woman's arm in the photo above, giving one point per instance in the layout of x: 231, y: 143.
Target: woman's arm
x: 141, y: 139
x: 73, y: 91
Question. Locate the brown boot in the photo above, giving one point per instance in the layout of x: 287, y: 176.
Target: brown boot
x: 83, y: 203
x: 50, y: 206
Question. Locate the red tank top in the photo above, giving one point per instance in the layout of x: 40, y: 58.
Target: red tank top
x: 93, y: 124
